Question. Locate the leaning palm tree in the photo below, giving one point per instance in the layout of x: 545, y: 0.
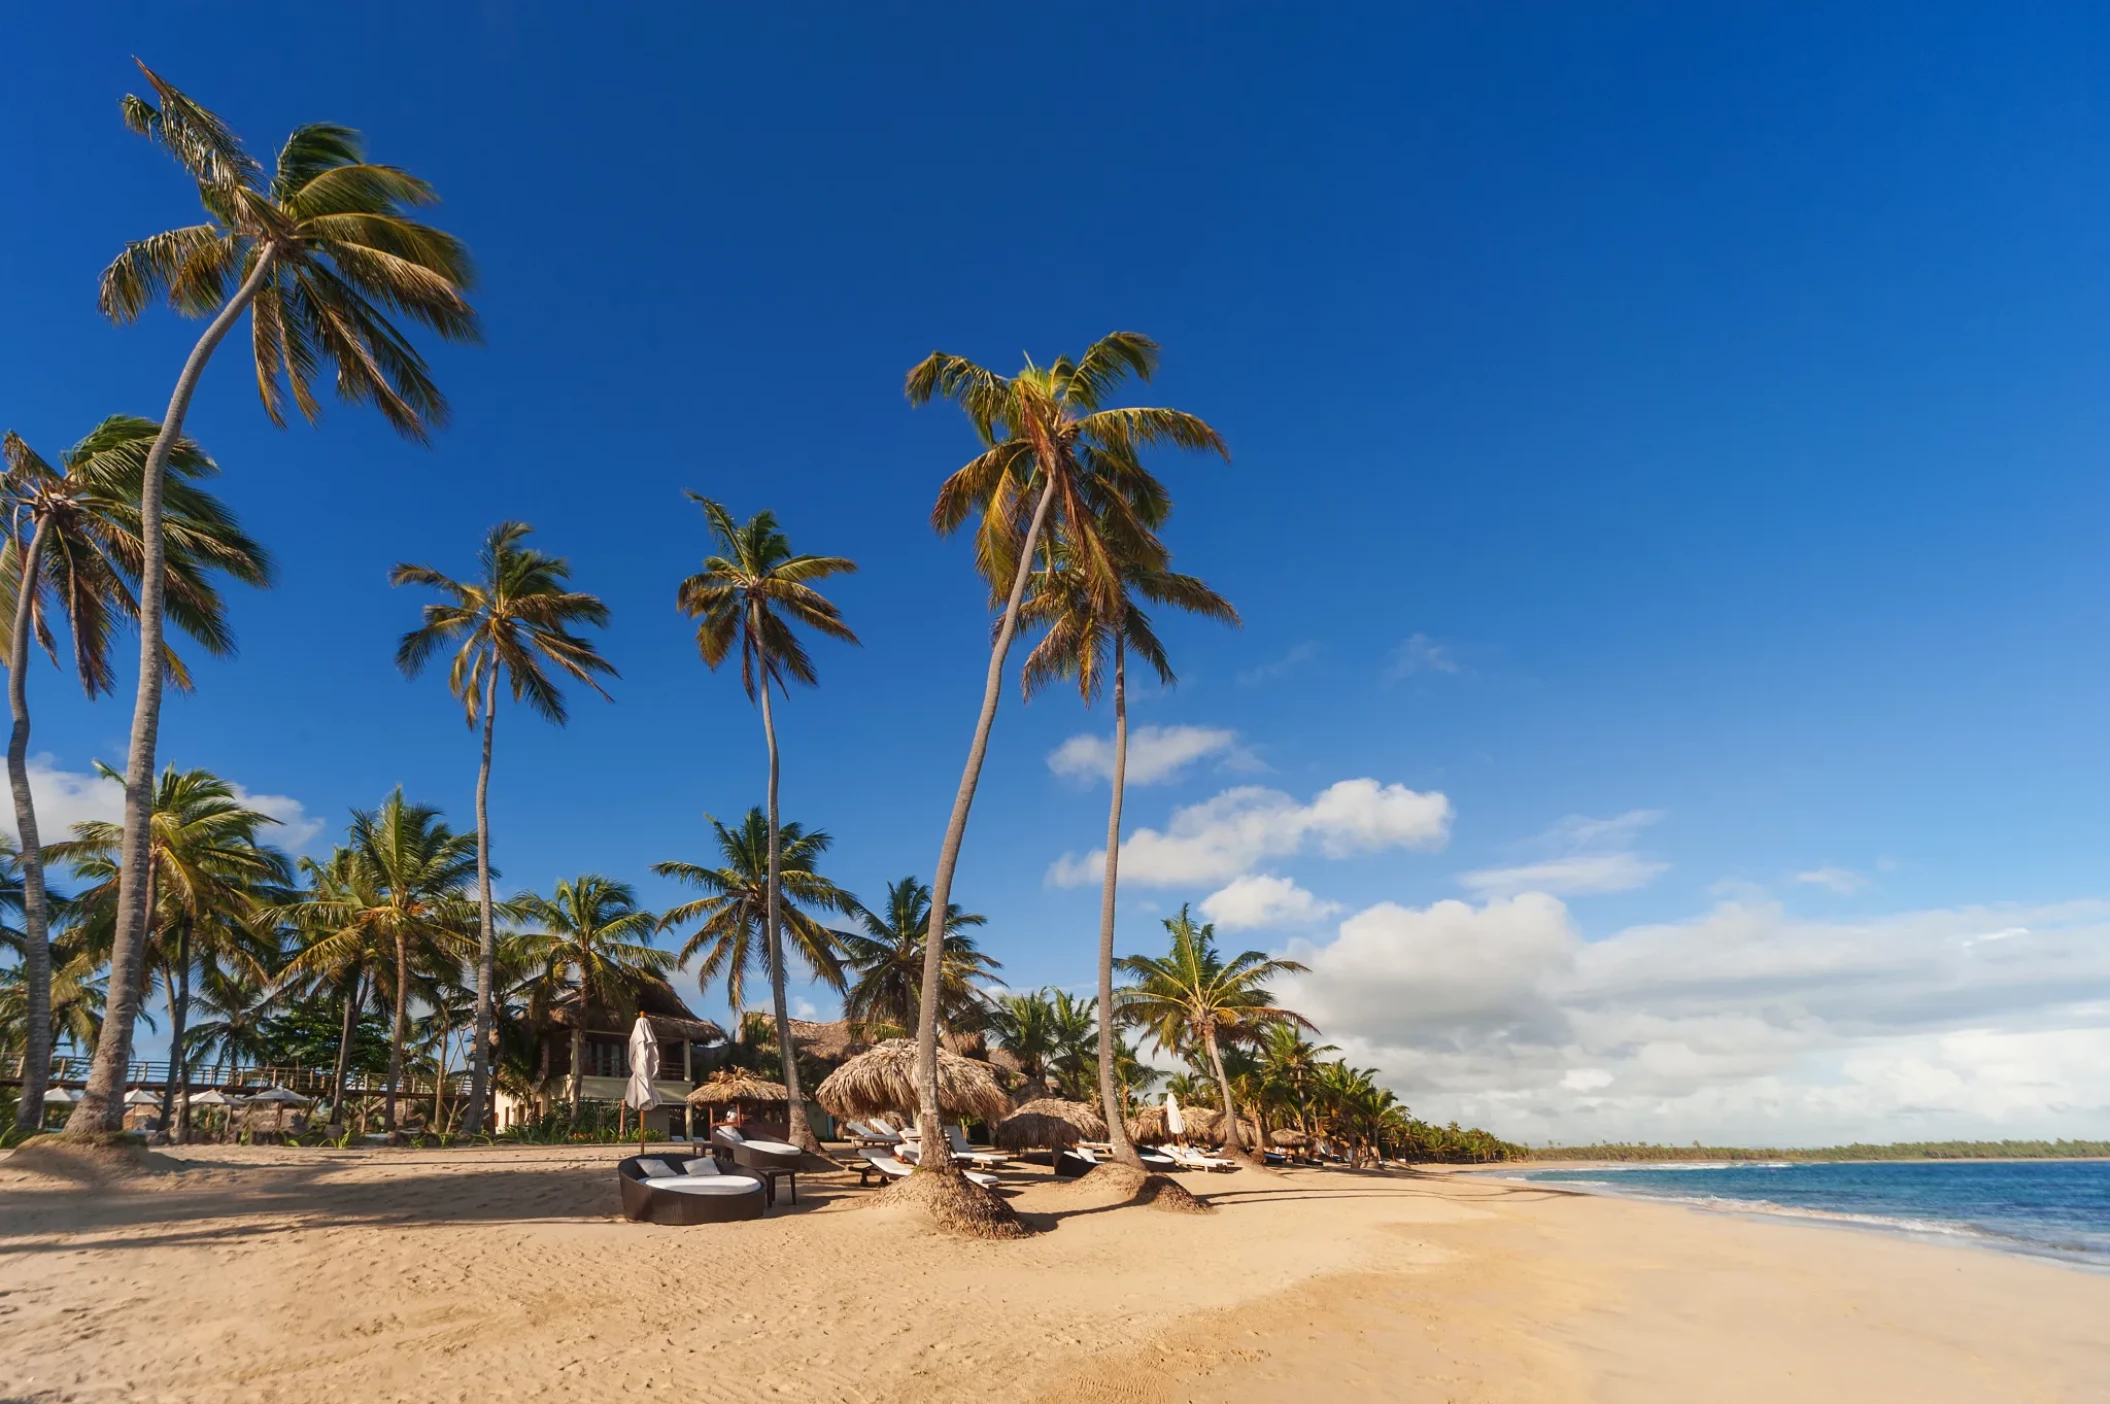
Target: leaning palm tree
x: 1054, y: 451
x: 595, y: 939
x: 733, y: 915
x: 322, y: 251
x: 749, y: 597
x: 888, y: 958
x: 74, y: 552
x: 407, y: 898
x: 1191, y: 999
x: 514, y: 618
x: 1089, y: 634
x: 209, y: 875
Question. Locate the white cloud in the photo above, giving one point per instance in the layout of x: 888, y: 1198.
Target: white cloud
x: 1583, y: 855
x: 1418, y: 653
x: 1835, y: 878
x: 1227, y: 836
x: 1155, y: 753
x: 1743, y: 1025
x: 68, y: 797
x: 1262, y: 900
x: 1281, y: 667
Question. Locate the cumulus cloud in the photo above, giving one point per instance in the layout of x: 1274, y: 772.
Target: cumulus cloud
x: 1744, y: 1024
x: 1262, y: 900
x: 1418, y: 653
x: 68, y: 797
x: 1835, y: 878
x: 1281, y: 667
x: 1231, y: 834
x: 1582, y: 855
x: 1155, y: 754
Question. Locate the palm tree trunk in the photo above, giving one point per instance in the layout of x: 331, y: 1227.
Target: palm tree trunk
x: 1234, y: 1142
x: 36, y: 917
x: 400, y: 1034
x: 354, y: 1005
x: 101, y: 1107
x: 578, y: 1061
x: 487, y: 934
x: 937, y: 1155
x: 439, y: 1080
x: 796, y: 1128
x: 1109, y: 1093
x: 178, y: 981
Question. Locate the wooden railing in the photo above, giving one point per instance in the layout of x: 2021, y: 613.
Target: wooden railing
x: 149, y: 1073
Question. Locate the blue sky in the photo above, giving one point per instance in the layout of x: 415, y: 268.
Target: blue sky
x: 1672, y: 436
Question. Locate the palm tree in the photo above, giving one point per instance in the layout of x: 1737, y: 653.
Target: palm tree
x: 1086, y: 631
x: 208, y: 877
x: 512, y: 619
x: 336, y: 948
x: 888, y: 958
x: 1023, y: 1025
x: 596, y: 940
x: 750, y: 597
x: 1051, y: 442
x: 731, y: 918
x: 1193, y: 999
x: 407, y: 898
x: 1289, y: 1065
x: 320, y: 251
x: 83, y: 517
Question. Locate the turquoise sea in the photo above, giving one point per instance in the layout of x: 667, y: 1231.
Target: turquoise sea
x: 2057, y: 1209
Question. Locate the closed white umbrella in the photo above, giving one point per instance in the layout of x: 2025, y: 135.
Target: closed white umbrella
x: 640, y: 1095
x: 1175, y: 1124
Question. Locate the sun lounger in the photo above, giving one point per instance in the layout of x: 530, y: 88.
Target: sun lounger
x: 894, y: 1168
x: 871, y: 1135
x: 690, y: 1194
x: 758, y: 1155
x: 1187, y: 1158
x: 957, y: 1139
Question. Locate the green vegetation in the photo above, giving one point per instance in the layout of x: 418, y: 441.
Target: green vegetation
x: 1899, y: 1150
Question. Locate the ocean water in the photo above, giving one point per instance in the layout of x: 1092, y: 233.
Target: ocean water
x: 2057, y: 1209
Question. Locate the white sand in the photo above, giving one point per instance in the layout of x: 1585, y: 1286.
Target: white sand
x: 506, y: 1274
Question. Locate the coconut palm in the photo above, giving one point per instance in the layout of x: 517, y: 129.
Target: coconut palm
x: 322, y: 252
x: 1192, y: 999
x: 1290, y: 1068
x: 74, y: 551
x: 1088, y: 635
x: 888, y: 958
x: 1054, y: 452
x: 594, y: 940
x: 406, y: 895
x: 209, y: 876
x: 513, y: 619
x: 749, y: 597
x: 729, y: 919
x: 336, y: 949
x: 1022, y: 1023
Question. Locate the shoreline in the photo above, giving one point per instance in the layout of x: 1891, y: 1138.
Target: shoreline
x: 269, y: 1275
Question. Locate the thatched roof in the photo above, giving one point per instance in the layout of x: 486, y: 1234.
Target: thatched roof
x: 732, y: 1085
x: 671, y: 1020
x: 829, y: 1042
x: 882, y: 1082
x: 1049, y: 1124
x: 1147, y: 1126
x: 1288, y: 1137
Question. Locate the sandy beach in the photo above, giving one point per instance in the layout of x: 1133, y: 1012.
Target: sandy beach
x: 271, y: 1274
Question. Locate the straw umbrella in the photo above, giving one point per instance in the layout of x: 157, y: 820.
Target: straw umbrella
x: 1049, y: 1123
x: 1289, y: 1138
x: 731, y: 1087
x: 882, y: 1082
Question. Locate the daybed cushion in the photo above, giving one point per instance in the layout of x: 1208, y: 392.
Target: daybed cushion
x: 701, y: 1165
x: 771, y: 1147
x: 704, y: 1184
x: 655, y: 1167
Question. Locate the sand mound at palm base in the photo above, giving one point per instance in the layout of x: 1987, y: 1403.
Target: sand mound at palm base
x: 94, y: 1157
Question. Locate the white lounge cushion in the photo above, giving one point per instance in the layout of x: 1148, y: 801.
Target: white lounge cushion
x: 705, y: 1184
x: 772, y: 1147
x: 655, y: 1167
x: 701, y: 1165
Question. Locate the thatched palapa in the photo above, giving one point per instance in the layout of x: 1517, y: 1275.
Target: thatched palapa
x: 1289, y: 1138
x: 733, y: 1087
x: 1147, y: 1127
x: 883, y: 1083
x: 1049, y: 1124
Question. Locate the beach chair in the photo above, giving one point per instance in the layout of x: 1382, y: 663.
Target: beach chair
x: 1187, y: 1158
x: 871, y: 1135
x: 893, y: 1168
x: 957, y: 1139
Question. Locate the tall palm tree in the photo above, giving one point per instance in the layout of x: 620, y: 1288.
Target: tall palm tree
x: 732, y: 915
x: 209, y: 875
x: 1053, y: 449
x: 1023, y: 1024
x: 1289, y: 1065
x: 750, y: 596
x: 1192, y: 999
x: 335, y: 948
x: 1089, y: 632
x: 83, y: 517
x: 408, y: 899
x: 321, y: 251
x: 597, y: 941
x: 888, y: 958
x: 513, y: 618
